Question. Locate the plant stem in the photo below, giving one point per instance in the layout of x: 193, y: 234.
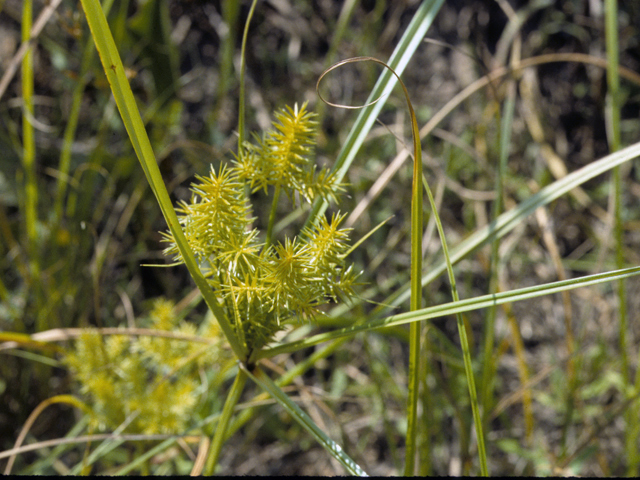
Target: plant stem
x: 416, y: 295
x: 272, y: 217
x: 29, y: 153
x: 115, y: 72
x: 613, y: 132
x: 223, y: 422
x: 243, y: 67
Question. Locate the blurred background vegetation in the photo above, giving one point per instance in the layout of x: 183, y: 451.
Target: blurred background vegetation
x: 97, y: 223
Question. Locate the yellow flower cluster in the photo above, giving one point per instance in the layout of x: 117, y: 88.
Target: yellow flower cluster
x: 261, y: 285
x: 150, y: 383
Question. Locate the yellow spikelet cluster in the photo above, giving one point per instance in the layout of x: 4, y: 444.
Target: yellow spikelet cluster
x: 148, y: 382
x: 264, y: 286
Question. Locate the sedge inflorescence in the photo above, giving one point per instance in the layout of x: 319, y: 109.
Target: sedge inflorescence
x: 264, y: 285
x: 150, y: 384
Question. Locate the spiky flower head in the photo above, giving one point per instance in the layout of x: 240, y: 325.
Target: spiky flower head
x: 264, y: 287
x: 148, y: 383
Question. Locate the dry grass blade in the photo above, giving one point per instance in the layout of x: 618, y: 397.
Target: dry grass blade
x: 63, y: 334
x: 32, y: 418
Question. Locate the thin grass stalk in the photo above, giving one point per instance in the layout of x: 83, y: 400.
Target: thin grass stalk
x: 613, y: 132
x: 416, y: 294
x: 488, y: 361
x: 429, y: 428
x: 29, y: 144
x: 289, y: 376
x: 464, y: 341
x: 243, y: 68
x: 221, y: 429
x: 416, y: 262
x: 230, y: 14
x: 404, y: 51
x: 114, y: 69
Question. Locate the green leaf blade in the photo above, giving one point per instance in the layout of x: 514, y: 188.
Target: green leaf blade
x: 305, y: 421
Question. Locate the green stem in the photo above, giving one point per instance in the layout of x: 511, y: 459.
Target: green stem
x: 305, y: 421
x: 272, y: 217
x: 412, y: 400
x: 230, y: 14
x: 289, y: 376
x: 221, y: 429
x: 464, y: 342
x: 29, y: 143
x: 613, y: 111
x: 243, y: 65
x: 488, y: 370
x: 416, y: 295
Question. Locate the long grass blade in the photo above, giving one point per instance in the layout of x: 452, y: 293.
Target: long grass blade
x: 509, y: 220
x: 223, y: 423
x: 243, y: 67
x: 29, y: 144
x: 453, y: 308
x: 134, y: 125
x: 614, y: 136
x: 305, y: 421
x: 404, y: 51
x: 416, y: 264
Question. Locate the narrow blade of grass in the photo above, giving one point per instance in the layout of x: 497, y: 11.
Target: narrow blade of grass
x: 134, y: 125
x: 453, y: 308
x: 29, y: 145
x: 221, y: 429
x: 614, y: 136
x: 305, y: 421
x: 404, y: 51
x: 508, y: 220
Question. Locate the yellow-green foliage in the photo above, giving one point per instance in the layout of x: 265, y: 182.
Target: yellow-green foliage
x: 264, y: 286
x: 149, y: 381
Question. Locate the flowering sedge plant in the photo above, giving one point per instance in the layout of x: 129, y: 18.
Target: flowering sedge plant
x: 156, y: 379
x: 264, y: 285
